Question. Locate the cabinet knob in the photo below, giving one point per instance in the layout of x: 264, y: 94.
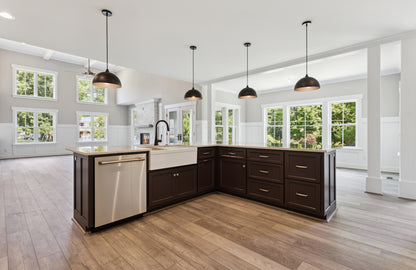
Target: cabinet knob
x: 244, y: 165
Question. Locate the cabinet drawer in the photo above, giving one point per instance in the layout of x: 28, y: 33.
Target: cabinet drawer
x: 303, y: 196
x: 265, y: 171
x: 265, y: 191
x: 232, y: 152
x: 303, y: 166
x: 273, y: 156
x: 206, y: 152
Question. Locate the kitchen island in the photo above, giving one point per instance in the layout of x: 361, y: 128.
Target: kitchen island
x: 299, y: 180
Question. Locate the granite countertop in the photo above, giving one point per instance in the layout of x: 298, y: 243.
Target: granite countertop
x: 251, y: 146
x: 104, y: 149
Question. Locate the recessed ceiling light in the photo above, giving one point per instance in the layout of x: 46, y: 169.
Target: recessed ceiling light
x: 6, y: 15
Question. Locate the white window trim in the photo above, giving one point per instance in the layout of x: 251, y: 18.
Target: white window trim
x: 35, y: 124
x: 92, y: 114
x: 357, y: 122
x: 133, y: 127
x: 236, y: 119
x: 265, y: 124
x: 89, y: 77
x: 189, y: 105
x: 35, y: 81
x: 326, y: 118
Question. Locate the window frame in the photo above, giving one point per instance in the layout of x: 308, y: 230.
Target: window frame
x: 326, y: 119
x: 92, y: 114
x: 224, y: 107
x: 35, y: 124
x: 265, y: 126
x: 330, y: 125
x: 134, y: 126
x: 35, y: 72
x: 89, y: 77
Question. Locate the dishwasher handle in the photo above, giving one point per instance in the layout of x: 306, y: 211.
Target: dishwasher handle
x: 120, y: 161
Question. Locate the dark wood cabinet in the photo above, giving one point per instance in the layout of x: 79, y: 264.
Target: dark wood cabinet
x: 265, y: 191
x: 161, y: 188
x: 84, y: 191
x: 167, y: 186
x: 185, y: 181
x: 232, y: 173
x: 206, y: 175
x: 303, y: 196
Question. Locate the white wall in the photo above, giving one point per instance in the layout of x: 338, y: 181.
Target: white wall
x: 352, y: 158
x: 118, y: 130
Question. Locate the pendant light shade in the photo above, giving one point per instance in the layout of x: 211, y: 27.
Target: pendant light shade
x: 247, y: 92
x: 193, y: 94
x: 106, y: 79
x: 307, y: 83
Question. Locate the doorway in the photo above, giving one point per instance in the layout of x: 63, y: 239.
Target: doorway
x: 181, y: 119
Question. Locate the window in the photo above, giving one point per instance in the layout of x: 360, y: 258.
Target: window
x: 34, y: 126
x: 88, y: 92
x: 226, y: 124
x: 134, y: 131
x: 30, y: 82
x: 274, y: 127
x: 343, y: 124
x: 219, y: 127
x: 92, y: 127
x: 306, y: 127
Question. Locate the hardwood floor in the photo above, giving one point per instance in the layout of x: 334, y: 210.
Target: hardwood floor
x: 215, y: 231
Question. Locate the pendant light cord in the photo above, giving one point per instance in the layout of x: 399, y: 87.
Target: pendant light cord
x: 193, y: 69
x: 247, y: 68
x: 307, y: 49
x: 106, y: 39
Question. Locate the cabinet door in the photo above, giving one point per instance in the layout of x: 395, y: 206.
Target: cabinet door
x: 206, y: 175
x: 233, y: 175
x: 185, y: 181
x: 161, y: 188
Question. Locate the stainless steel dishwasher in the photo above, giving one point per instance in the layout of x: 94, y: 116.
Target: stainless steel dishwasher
x: 120, y: 187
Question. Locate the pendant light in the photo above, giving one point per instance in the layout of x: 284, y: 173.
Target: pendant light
x: 307, y: 83
x: 193, y: 94
x: 247, y: 92
x: 106, y: 79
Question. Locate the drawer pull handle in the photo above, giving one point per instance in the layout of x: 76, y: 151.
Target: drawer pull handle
x: 206, y: 160
x: 263, y: 171
x: 231, y: 153
x: 264, y: 190
x: 302, y: 195
x: 301, y: 167
x: 206, y: 153
x: 263, y: 156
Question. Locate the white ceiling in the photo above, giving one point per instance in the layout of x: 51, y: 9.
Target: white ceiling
x: 347, y: 66
x: 154, y: 36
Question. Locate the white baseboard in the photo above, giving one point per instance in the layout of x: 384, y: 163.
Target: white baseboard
x: 407, y: 189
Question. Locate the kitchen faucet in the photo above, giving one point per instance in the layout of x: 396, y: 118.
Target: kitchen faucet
x: 156, y: 140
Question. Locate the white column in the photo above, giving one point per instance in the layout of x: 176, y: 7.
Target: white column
x: 407, y: 187
x: 373, y: 181
x: 210, y: 107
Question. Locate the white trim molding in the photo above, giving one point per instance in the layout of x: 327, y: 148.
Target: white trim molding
x: 407, y: 189
x: 35, y: 72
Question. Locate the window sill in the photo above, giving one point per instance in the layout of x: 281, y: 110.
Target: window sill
x: 34, y: 143
x: 92, y: 141
x: 349, y: 149
x: 91, y: 103
x: 34, y: 97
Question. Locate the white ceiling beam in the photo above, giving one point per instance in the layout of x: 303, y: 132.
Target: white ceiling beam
x: 313, y: 57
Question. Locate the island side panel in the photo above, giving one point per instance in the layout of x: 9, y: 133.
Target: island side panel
x: 84, y: 190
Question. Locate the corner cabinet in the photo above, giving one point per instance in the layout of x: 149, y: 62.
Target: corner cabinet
x: 168, y: 186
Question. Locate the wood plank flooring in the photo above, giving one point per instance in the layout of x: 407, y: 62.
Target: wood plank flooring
x: 215, y: 231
